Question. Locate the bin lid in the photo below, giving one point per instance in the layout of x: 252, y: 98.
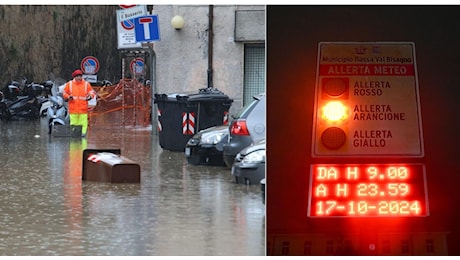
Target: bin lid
x: 206, y: 94
x: 207, y: 97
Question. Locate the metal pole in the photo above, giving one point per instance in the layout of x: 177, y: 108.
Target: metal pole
x: 210, y: 47
x: 123, y: 66
x: 153, y: 90
x: 153, y: 82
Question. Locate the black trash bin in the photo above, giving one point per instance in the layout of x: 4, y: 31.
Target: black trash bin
x: 180, y: 116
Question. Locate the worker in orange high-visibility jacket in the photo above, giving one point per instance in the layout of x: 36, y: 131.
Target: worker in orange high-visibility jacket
x: 77, y: 93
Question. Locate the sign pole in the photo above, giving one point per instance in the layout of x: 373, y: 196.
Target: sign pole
x: 153, y: 83
x: 153, y: 86
x: 153, y: 90
x: 134, y: 19
x: 123, y: 67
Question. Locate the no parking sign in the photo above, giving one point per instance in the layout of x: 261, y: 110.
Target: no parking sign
x: 89, y: 65
x: 137, y: 66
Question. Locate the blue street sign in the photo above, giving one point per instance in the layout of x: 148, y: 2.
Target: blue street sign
x: 147, y: 28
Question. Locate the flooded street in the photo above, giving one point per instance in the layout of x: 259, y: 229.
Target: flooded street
x: 176, y: 209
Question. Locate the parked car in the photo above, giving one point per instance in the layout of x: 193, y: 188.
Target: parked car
x: 248, y: 126
x: 249, y: 165
x: 206, y: 146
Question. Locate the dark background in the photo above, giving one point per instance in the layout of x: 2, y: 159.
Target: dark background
x: 293, y: 34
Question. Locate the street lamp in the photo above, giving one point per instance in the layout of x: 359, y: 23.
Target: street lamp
x: 177, y: 22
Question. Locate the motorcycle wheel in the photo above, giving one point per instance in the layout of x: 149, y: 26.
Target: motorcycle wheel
x: 5, y: 114
x: 34, y: 113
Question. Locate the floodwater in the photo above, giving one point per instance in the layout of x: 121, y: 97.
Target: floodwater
x: 176, y: 209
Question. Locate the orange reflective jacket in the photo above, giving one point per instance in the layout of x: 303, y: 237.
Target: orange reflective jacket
x: 79, y: 90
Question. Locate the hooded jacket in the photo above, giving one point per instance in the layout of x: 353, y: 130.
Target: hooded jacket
x: 79, y: 90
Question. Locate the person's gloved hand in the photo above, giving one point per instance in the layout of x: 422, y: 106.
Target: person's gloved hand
x: 88, y: 97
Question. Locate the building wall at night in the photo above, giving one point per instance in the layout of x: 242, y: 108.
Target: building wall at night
x: 293, y: 37
x: 430, y: 244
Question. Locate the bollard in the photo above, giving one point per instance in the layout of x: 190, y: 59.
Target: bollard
x: 107, y: 165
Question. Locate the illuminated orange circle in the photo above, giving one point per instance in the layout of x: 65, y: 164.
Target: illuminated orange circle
x: 334, y: 87
x: 333, y: 138
x: 334, y: 111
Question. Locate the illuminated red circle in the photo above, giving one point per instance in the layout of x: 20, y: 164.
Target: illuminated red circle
x: 334, y: 87
x: 333, y: 138
x: 126, y: 6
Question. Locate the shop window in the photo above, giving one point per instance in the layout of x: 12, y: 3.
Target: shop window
x: 429, y: 246
x: 405, y: 247
x: 348, y: 249
x: 330, y: 247
x: 285, y: 248
x: 386, y: 247
x: 307, y: 248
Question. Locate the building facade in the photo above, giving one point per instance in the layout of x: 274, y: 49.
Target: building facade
x: 334, y: 244
x: 218, y: 46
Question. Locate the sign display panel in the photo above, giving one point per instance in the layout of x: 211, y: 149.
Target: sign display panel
x: 367, y: 101
x: 131, y: 12
x: 367, y: 190
x: 126, y: 33
x: 147, y: 28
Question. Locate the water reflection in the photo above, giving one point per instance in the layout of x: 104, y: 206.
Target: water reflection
x: 177, y: 209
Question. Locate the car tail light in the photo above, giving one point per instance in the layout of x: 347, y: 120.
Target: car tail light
x: 239, y: 127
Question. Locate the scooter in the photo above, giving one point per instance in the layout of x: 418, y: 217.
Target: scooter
x: 26, y: 106
x: 44, y: 101
x: 57, y: 113
x: 12, y: 90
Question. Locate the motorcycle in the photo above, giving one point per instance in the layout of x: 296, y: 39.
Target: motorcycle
x: 18, y: 104
x: 57, y: 113
x: 12, y: 90
x: 44, y: 99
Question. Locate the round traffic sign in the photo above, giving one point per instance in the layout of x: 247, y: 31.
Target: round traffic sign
x: 128, y: 24
x: 137, y: 66
x: 89, y: 65
x: 126, y: 6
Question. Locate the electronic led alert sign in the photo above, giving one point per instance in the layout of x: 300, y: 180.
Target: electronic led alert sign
x: 367, y: 101
x: 367, y: 190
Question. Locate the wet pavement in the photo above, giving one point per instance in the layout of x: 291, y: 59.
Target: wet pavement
x: 176, y: 209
